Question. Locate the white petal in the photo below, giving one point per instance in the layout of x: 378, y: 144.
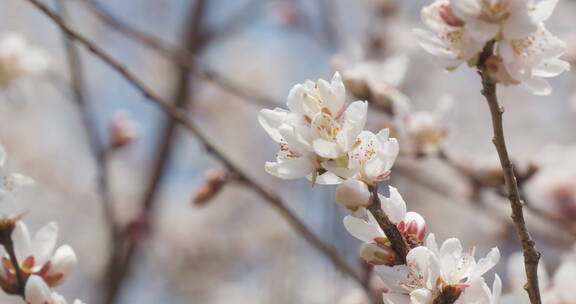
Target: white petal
x: 271, y: 120
x: 2, y: 156
x: 496, y: 290
x: 37, y: 292
x: 339, y: 91
x: 63, y: 262
x: 537, y: 86
x: 326, y: 148
x: 337, y: 170
x: 396, y: 298
x: 551, y: 68
x: 394, y: 207
x: 326, y: 178
x: 292, y: 168
x: 519, y: 26
x: 295, y: 99
x: 464, y: 9
x: 393, y: 277
x: 564, y: 280
x: 362, y: 229
x: 433, y: 45
x: 421, y: 296
x: 482, y: 30
x: 544, y: 9
x: 394, y: 69
x: 487, y: 263
x: 354, y: 121
x: 22, y: 241
x: 44, y: 242
x: 352, y: 193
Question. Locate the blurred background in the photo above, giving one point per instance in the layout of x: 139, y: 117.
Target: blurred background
x: 222, y: 61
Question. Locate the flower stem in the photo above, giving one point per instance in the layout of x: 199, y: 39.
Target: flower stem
x: 9, y: 246
x: 392, y: 233
x: 531, y: 255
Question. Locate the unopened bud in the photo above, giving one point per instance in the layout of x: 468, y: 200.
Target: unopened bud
x: 448, y: 16
x: 353, y: 194
x: 413, y: 228
x: 377, y: 255
x: 215, y: 179
x: 123, y: 129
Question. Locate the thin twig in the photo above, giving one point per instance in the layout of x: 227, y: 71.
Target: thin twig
x: 168, y: 136
x: 179, y: 55
x: 181, y: 117
x: 531, y: 255
x: 99, y: 153
x: 9, y: 246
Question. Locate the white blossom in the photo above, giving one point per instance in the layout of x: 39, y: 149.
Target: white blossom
x: 524, y: 51
x: 452, y: 43
x: 530, y: 59
x: 424, y: 132
x: 378, y: 80
x: 430, y: 271
x: 510, y: 19
x: 317, y: 127
x: 36, y: 255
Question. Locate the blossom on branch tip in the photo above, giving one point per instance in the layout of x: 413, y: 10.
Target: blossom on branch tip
x: 36, y: 256
x: 432, y: 272
x: 318, y: 127
x: 524, y: 51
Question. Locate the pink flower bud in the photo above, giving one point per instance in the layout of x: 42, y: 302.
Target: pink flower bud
x: 215, y: 179
x: 413, y: 227
x: 123, y: 129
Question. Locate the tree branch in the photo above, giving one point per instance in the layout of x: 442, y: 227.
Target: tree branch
x: 179, y: 55
x: 392, y: 233
x: 99, y: 153
x: 531, y: 256
x: 181, y: 117
x: 168, y: 137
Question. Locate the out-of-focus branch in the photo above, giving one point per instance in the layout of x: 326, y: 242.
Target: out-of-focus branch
x: 567, y: 227
x: 179, y: 55
x: 99, y: 152
x: 181, y: 117
x: 531, y: 256
x: 120, y: 263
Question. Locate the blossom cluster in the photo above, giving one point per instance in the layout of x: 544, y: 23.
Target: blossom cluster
x: 321, y: 137
x: 40, y: 264
x: 524, y: 51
